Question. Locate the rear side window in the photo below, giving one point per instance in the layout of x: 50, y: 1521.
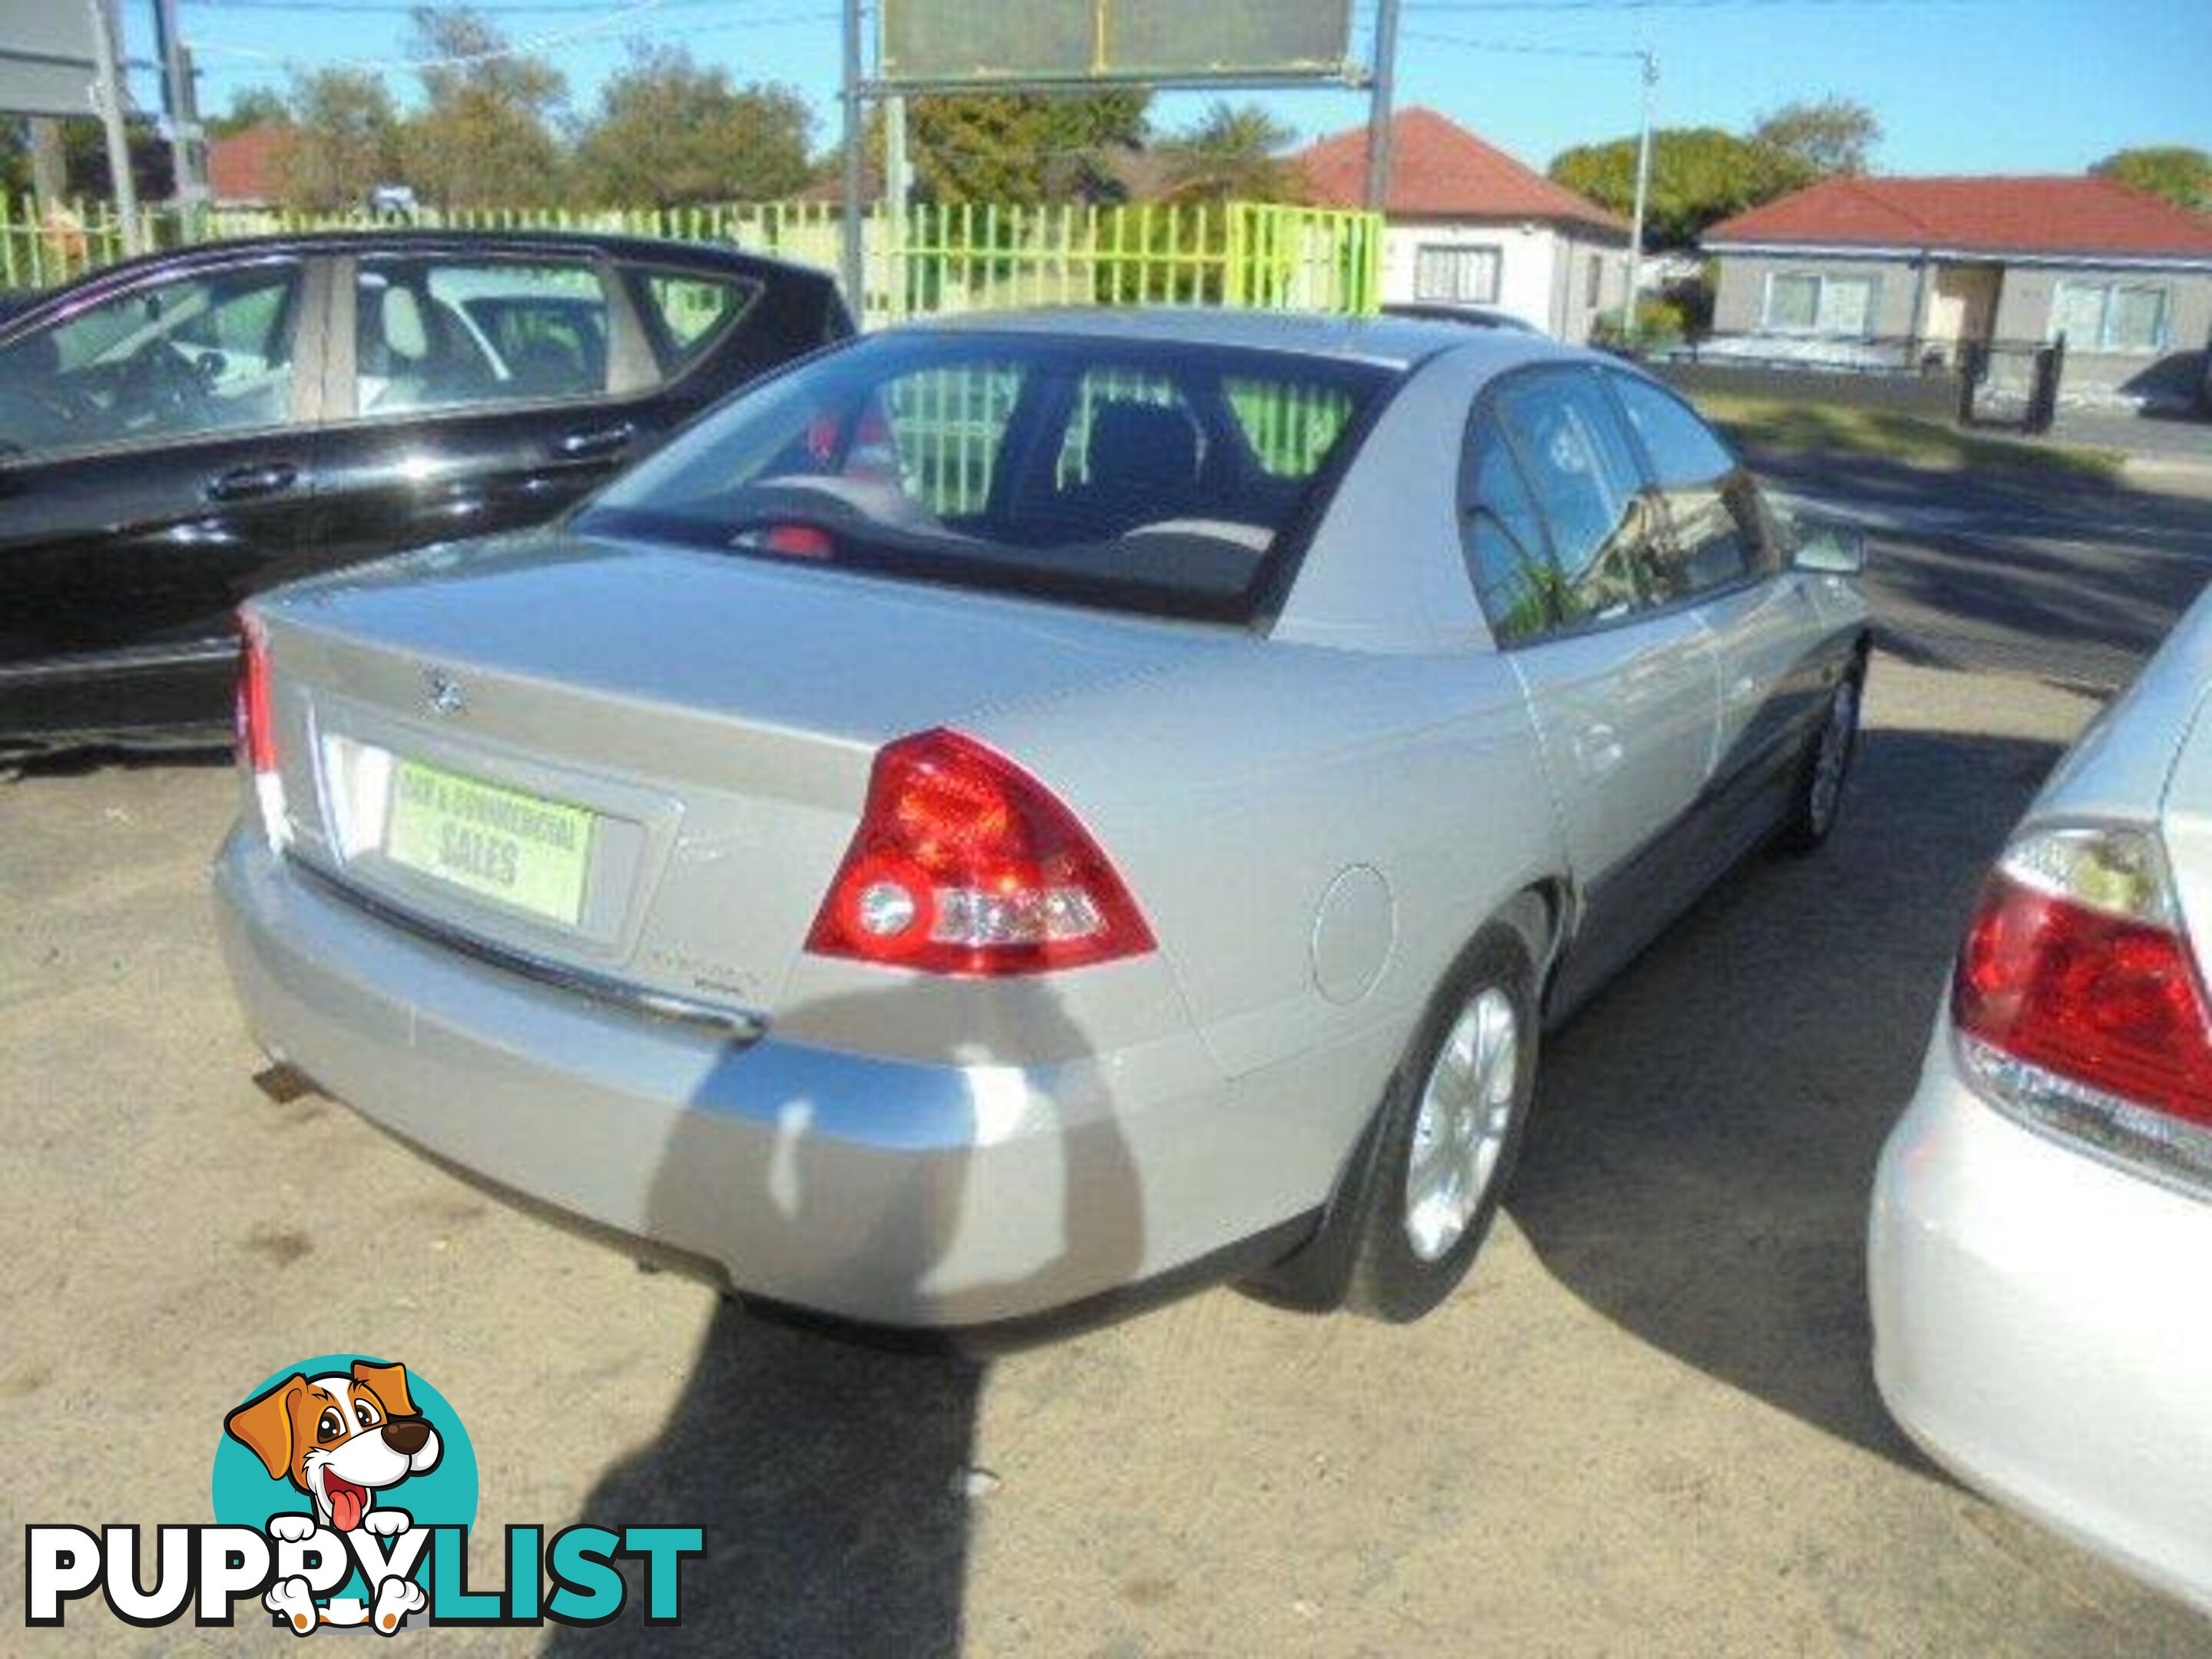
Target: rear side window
x: 1588, y: 489
x: 1507, y: 555
x: 1113, y: 472
x: 1713, y: 531
x: 690, y: 314
x: 434, y: 332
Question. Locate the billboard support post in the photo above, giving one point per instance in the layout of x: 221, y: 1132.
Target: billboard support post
x: 1378, y: 106
x: 854, y: 256
x: 107, y: 87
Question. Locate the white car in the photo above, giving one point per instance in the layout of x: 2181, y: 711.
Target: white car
x: 2041, y: 1244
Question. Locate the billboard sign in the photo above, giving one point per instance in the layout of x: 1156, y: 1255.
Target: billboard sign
x: 982, y: 43
x: 47, y: 58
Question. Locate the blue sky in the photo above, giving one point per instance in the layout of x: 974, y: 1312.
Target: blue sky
x: 1961, y: 86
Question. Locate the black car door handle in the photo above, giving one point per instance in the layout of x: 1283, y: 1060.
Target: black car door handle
x: 590, y: 446
x: 244, y: 484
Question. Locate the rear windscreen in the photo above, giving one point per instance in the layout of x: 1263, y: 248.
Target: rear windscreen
x: 1132, y: 475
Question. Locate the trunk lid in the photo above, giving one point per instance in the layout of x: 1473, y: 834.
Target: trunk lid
x: 636, y: 761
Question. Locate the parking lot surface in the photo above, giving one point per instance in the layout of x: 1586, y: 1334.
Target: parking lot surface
x: 1646, y: 1424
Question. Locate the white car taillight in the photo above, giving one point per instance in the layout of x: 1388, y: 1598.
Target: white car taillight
x: 965, y: 864
x: 2077, y: 1003
x: 256, y: 729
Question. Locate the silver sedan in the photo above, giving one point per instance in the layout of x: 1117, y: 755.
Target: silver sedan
x: 2042, y: 1212
x: 1006, y: 818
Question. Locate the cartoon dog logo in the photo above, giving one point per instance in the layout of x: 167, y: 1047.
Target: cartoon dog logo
x: 342, y: 1439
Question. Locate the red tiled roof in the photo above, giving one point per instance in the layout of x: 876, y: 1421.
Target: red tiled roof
x: 243, y: 166
x: 2045, y: 215
x: 1439, y: 170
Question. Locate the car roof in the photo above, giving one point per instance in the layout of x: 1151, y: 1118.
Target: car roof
x: 1398, y: 342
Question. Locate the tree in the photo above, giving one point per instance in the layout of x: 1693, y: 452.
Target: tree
x: 671, y: 130
x: 250, y: 107
x: 2178, y: 172
x: 1825, y: 137
x: 341, y: 140
x: 1232, y: 154
x: 1022, y: 147
x: 1699, y: 176
x: 484, y: 135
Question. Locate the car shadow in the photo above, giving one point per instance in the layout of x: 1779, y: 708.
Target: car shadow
x: 833, y: 1470
x: 1698, y: 1164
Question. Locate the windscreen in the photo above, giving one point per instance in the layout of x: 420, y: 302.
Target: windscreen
x: 1129, y: 475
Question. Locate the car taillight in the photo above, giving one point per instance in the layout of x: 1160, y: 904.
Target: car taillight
x: 256, y: 729
x: 2077, y: 1000
x: 965, y: 864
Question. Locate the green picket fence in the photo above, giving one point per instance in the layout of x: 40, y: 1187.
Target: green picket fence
x: 919, y: 261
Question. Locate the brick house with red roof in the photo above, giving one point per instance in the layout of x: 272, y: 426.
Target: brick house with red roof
x: 1875, y: 268
x: 245, y: 168
x: 1466, y: 224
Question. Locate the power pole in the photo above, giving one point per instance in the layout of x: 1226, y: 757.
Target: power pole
x: 1378, y: 193
x: 856, y: 258
x: 180, y: 101
x: 1643, y: 193
x: 108, y: 88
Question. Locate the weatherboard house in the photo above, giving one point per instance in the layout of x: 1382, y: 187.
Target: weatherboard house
x: 1466, y: 224
x: 1876, y: 271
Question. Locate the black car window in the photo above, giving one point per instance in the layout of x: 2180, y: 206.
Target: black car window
x: 689, y: 313
x: 163, y: 363
x: 1711, y: 508
x: 443, y: 333
x: 1502, y: 537
x: 1582, y: 469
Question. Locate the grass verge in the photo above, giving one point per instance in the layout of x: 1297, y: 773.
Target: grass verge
x: 1774, y: 425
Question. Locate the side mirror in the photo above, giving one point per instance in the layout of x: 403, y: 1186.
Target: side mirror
x: 1830, y: 549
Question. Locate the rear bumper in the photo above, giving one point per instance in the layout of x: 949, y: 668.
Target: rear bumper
x: 2040, y: 1329
x: 889, y: 1193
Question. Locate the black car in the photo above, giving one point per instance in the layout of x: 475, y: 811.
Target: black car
x: 181, y: 431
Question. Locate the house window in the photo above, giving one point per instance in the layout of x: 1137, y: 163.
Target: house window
x: 1462, y: 276
x: 1813, y: 303
x: 2125, y: 317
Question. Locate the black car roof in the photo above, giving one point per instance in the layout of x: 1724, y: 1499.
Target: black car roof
x: 646, y: 249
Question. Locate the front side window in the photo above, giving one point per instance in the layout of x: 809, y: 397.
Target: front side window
x: 1580, y: 467
x: 435, y: 332
x: 1121, y: 474
x: 190, y: 357
x: 1711, y: 513
x: 1810, y: 303
x: 2121, y: 317
x: 1460, y: 276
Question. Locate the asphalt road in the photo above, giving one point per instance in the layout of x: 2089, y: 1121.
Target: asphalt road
x: 2070, y: 579
x: 1645, y: 1426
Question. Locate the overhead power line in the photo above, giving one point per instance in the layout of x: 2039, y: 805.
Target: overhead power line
x: 607, y: 23
x: 1544, y: 8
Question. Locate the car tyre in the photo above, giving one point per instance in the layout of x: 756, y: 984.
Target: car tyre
x: 1441, y: 1150
x: 1817, y: 799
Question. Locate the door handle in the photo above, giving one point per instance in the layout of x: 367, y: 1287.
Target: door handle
x: 246, y: 483
x: 594, y: 444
